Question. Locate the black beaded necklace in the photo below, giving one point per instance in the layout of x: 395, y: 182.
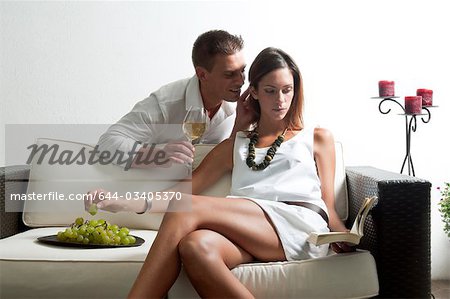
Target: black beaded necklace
x: 270, y: 152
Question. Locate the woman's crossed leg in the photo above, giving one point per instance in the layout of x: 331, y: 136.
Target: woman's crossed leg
x: 223, y: 231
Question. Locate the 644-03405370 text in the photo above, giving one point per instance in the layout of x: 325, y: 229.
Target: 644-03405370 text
x: 54, y: 195
x: 156, y: 195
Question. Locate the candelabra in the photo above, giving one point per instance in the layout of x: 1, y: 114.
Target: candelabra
x: 410, y: 127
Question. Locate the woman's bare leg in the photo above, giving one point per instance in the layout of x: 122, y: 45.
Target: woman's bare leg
x: 241, y: 221
x: 207, y: 258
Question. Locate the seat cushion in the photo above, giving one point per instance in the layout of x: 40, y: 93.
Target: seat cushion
x: 349, y: 275
x: 30, y: 269
x: 34, y: 270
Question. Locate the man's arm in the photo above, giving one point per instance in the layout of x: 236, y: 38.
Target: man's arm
x: 134, y: 139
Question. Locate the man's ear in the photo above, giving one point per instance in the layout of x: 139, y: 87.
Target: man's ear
x: 201, y: 72
x: 253, y: 92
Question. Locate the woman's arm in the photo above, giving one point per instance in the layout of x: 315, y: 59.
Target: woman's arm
x: 218, y: 162
x: 325, y: 156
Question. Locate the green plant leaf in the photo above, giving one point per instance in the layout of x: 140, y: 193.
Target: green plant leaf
x: 444, y: 208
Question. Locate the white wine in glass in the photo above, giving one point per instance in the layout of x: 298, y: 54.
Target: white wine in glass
x: 194, y: 124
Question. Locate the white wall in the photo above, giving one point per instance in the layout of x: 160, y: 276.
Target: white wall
x: 89, y: 62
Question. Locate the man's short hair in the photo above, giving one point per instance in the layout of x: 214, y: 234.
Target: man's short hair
x: 214, y: 42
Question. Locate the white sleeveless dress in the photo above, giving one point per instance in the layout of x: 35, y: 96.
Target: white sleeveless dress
x: 291, y: 176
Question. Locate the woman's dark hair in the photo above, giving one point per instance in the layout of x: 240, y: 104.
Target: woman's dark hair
x: 271, y: 59
x: 214, y: 42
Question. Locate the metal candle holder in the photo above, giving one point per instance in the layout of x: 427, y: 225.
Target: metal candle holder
x: 410, y: 126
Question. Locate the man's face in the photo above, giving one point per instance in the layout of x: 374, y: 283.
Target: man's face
x: 226, y: 77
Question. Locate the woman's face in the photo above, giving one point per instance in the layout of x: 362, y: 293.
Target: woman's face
x: 275, y: 93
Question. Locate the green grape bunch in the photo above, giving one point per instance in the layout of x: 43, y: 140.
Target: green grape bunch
x: 96, y: 232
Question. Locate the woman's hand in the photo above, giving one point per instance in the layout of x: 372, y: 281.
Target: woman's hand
x: 341, y: 247
x: 244, y: 114
x: 105, y: 201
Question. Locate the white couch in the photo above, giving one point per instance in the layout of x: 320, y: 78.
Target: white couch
x: 30, y: 269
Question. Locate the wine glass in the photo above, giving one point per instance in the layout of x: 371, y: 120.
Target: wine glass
x: 194, y: 124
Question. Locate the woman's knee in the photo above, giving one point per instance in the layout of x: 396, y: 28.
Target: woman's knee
x: 197, y: 247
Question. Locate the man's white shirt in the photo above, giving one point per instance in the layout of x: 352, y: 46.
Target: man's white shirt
x: 158, y: 119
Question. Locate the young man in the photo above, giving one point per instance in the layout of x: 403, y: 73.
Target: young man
x: 219, y: 75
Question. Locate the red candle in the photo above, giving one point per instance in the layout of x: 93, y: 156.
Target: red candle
x: 413, y: 105
x: 427, y: 96
x: 386, y: 88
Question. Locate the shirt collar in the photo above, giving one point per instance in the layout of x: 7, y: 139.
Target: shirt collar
x: 193, y: 96
x: 229, y: 107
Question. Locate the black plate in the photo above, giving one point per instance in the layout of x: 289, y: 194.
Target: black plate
x: 52, y: 240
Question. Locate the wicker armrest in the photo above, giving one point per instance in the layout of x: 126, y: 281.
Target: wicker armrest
x: 397, y: 231
x: 13, y: 179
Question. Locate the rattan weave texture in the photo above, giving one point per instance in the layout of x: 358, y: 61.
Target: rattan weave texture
x: 398, y: 231
x: 16, y: 178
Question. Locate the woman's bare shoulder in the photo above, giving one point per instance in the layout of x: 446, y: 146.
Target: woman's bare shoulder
x: 323, y: 142
x: 323, y: 136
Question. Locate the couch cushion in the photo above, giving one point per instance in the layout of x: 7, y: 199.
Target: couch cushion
x: 31, y: 269
x: 36, y: 270
x: 75, y: 180
x: 333, y: 276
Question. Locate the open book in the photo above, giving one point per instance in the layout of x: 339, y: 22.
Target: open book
x: 355, y: 234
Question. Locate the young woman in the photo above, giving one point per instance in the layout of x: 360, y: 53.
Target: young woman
x: 282, y: 184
